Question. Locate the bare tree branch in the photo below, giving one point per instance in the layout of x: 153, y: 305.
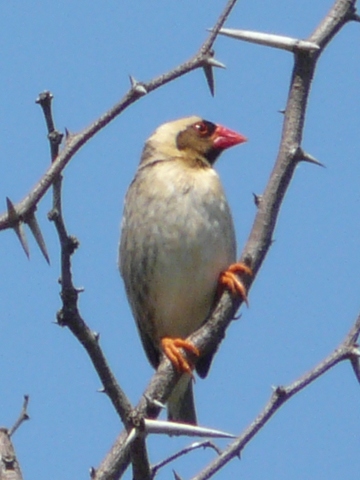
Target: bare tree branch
x: 207, y: 338
x: 279, y: 397
x: 75, y: 141
x: 69, y: 314
x: 260, y: 239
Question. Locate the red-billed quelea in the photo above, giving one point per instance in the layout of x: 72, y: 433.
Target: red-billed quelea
x: 178, y: 245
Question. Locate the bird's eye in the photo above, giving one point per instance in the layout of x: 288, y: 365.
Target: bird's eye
x: 202, y: 129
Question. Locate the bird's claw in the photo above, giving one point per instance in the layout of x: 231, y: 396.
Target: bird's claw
x: 171, y: 348
x: 229, y: 279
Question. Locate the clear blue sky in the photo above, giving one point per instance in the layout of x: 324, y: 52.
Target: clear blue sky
x: 305, y: 297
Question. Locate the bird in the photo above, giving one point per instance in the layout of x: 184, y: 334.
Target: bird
x: 177, y: 248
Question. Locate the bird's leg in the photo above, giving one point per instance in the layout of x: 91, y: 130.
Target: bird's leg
x: 229, y: 279
x: 171, y: 346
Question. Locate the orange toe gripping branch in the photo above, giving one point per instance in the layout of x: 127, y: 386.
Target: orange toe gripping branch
x: 228, y: 279
x: 171, y: 348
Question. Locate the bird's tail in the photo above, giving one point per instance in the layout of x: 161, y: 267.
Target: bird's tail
x: 181, y: 405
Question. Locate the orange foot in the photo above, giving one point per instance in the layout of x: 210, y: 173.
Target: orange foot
x: 171, y: 348
x: 229, y: 279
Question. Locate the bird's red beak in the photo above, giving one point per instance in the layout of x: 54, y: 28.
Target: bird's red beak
x: 225, y: 138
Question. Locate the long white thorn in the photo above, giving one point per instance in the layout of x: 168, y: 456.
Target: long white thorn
x: 270, y: 40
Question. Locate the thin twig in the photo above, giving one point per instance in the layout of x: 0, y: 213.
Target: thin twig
x: 184, y: 451
x: 22, y: 417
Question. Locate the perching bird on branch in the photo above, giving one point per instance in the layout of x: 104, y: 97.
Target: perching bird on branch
x: 178, y: 248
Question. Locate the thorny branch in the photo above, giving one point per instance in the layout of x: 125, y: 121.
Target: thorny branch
x: 73, y: 143
x: 209, y: 336
x: 290, y: 154
x: 69, y: 315
x: 347, y: 350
